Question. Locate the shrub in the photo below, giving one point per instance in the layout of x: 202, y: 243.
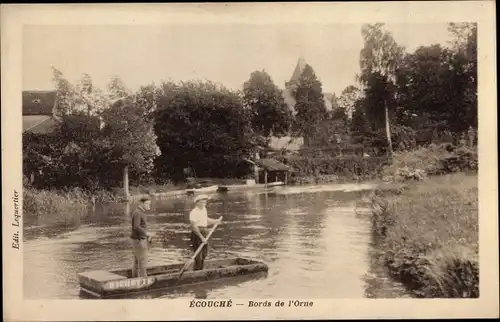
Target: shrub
x: 431, y: 160
x: 381, y: 217
x: 403, y: 138
x: 406, y: 174
x: 346, y: 167
x: 463, y: 159
x: 319, y: 179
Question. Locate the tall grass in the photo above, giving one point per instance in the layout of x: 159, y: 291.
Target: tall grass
x: 49, y: 203
x: 59, y: 202
x: 429, y: 235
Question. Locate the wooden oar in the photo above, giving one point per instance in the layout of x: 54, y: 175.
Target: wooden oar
x: 197, y: 251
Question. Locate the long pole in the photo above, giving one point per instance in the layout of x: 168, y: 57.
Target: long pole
x: 197, y: 252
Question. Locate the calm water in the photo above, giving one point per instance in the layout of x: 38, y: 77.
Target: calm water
x: 317, y: 244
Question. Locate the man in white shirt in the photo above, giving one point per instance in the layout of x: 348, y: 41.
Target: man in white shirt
x: 199, y: 220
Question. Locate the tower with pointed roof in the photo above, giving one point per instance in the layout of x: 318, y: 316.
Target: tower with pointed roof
x: 294, y: 80
x: 292, y: 84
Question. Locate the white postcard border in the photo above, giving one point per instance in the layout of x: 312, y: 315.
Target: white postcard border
x: 13, y: 17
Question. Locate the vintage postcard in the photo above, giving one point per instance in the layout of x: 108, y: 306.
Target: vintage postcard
x: 249, y: 161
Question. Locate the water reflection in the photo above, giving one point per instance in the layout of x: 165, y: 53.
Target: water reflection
x: 314, y: 243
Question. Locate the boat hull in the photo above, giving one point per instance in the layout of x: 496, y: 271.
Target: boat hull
x: 103, y: 284
x: 242, y: 187
x: 202, y: 190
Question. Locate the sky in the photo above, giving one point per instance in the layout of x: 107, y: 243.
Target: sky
x: 225, y: 54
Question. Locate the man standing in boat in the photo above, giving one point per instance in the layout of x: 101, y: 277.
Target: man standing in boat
x: 140, y: 237
x: 199, y: 220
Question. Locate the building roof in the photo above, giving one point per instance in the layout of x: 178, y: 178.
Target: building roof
x: 42, y: 124
x: 272, y: 165
x: 39, y: 102
x: 301, y: 64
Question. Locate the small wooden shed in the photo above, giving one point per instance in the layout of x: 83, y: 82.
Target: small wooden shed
x: 271, y: 170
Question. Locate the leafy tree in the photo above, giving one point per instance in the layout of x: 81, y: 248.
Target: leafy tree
x: 148, y: 98
x: 360, y: 123
x: 130, y: 135
x: 66, y: 92
x: 84, y: 154
x: 438, y: 86
x: 379, y: 60
x: 350, y: 95
x: 271, y: 115
x: 310, y: 104
x: 423, y: 84
x: 204, y: 126
x: 117, y: 89
x: 339, y: 114
x: 464, y: 74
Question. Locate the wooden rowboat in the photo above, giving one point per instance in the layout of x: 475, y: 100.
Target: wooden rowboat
x: 103, y: 284
x: 212, y: 188
x: 240, y: 187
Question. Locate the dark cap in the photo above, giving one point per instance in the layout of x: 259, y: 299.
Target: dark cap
x: 145, y: 198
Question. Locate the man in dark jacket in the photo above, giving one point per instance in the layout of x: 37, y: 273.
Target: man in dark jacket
x: 140, y: 237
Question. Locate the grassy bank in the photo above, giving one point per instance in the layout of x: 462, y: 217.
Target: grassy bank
x: 428, y: 235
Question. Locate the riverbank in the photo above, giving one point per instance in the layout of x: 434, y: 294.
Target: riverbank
x: 427, y: 235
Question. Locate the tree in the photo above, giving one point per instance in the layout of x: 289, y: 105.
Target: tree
x: 66, y: 93
x: 148, y: 98
x: 464, y: 74
x: 350, y: 95
x: 117, y: 89
x: 310, y: 104
x: 203, y: 126
x: 360, y: 123
x: 379, y: 60
x: 438, y: 86
x: 423, y: 84
x: 130, y: 136
x: 339, y: 114
x: 84, y: 154
x: 271, y: 115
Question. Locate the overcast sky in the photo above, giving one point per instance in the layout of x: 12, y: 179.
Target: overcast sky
x: 221, y: 53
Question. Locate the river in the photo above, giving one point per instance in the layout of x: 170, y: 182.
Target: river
x: 316, y: 240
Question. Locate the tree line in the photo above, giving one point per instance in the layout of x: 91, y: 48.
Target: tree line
x: 158, y: 130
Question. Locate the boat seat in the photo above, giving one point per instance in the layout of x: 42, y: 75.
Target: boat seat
x: 102, y: 276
